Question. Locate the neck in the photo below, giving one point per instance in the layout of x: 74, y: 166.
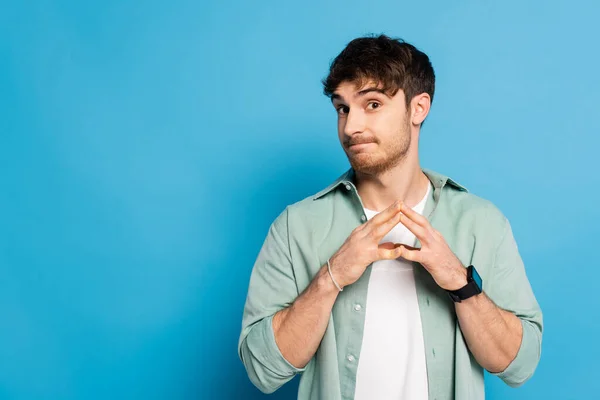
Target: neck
x: 405, y: 181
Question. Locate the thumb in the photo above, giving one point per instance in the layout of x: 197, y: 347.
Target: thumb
x: 389, y: 251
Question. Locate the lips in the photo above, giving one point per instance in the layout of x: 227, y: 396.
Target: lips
x: 358, y: 146
x: 358, y: 140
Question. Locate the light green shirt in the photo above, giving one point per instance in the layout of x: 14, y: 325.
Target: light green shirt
x: 307, y: 233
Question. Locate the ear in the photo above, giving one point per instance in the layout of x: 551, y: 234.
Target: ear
x: 420, y: 105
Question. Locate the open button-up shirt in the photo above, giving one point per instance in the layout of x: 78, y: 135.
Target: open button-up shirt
x: 307, y: 233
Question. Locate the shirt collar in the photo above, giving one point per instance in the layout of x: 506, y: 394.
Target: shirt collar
x: 438, y: 181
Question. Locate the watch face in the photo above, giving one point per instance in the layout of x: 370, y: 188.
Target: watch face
x: 477, y: 278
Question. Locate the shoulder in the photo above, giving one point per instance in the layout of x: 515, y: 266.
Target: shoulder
x: 320, y: 205
x: 464, y: 208
x: 476, y: 214
x: 311, y: 209
x: 468, y: 202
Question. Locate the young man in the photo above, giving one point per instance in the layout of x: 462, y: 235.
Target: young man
x: 394, y: 282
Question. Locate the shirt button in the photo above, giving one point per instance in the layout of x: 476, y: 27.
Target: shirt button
x: 363, y: 218
x: 351, y: 358
x: 348, y: 187
x: 357, y: 307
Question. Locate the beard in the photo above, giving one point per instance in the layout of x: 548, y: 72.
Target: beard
x: 384, y: 159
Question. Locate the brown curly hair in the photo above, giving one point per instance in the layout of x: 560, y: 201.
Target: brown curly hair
x: 390, y: 61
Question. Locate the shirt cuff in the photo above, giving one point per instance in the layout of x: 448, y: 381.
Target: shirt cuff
x: 524, y: 364
x: 269, y: 355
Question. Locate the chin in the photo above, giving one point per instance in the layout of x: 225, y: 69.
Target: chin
x: 367, y: 165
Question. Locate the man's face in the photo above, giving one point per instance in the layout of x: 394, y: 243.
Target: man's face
x: 373, y: 128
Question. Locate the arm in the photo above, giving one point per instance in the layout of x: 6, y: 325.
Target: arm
x: 297, y: 331
x: 492, y: 334
x: 300, y: 327
x: 502, y: 326
x: 509, y: 289
x: 272, y: 288
x: 281, y: 330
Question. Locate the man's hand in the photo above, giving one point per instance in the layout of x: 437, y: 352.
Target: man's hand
x: 299, y: 328
x: 435, y: 254
x: 362, y: 246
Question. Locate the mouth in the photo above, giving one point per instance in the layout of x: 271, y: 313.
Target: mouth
x: 360, y: 146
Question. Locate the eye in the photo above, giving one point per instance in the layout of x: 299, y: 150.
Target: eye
x: 374, y: 104
x: 342, y: 110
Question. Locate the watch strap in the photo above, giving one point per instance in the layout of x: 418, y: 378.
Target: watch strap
x: 469, y: 290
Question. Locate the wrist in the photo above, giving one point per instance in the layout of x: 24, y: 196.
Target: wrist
x: 473, y: 287
x: 459, y: 279
x: 325, y: 283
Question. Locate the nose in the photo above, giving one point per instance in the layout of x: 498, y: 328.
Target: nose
x: 354, y: 123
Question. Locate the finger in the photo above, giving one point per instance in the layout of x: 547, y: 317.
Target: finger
x: 384, y: 216
x: 417, y: 230
x: 409, y: 253
x: 393, y: 246
x: 389, y: 251
x: 408, y: 247
x: 380, y: 231
x: 413, y: 215
x: 388, y: 245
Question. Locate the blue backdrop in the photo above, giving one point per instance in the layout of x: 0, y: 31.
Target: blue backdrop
x: 146, y: 147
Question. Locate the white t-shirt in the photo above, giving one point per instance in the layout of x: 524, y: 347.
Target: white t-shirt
x: 392, y: 358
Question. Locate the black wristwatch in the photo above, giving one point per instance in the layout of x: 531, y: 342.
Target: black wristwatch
x: 472, y: 288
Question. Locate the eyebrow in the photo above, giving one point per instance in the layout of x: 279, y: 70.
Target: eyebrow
x: 336, y: 96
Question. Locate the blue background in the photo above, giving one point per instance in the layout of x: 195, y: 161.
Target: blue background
x: 146, y: 147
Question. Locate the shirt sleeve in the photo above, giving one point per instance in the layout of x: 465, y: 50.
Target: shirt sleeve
x: 272, y: 288
x: 510, y: 290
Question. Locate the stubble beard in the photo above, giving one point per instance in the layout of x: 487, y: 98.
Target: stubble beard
x: 371, y: 164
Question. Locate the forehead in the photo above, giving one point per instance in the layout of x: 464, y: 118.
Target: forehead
x: 348, y: 90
